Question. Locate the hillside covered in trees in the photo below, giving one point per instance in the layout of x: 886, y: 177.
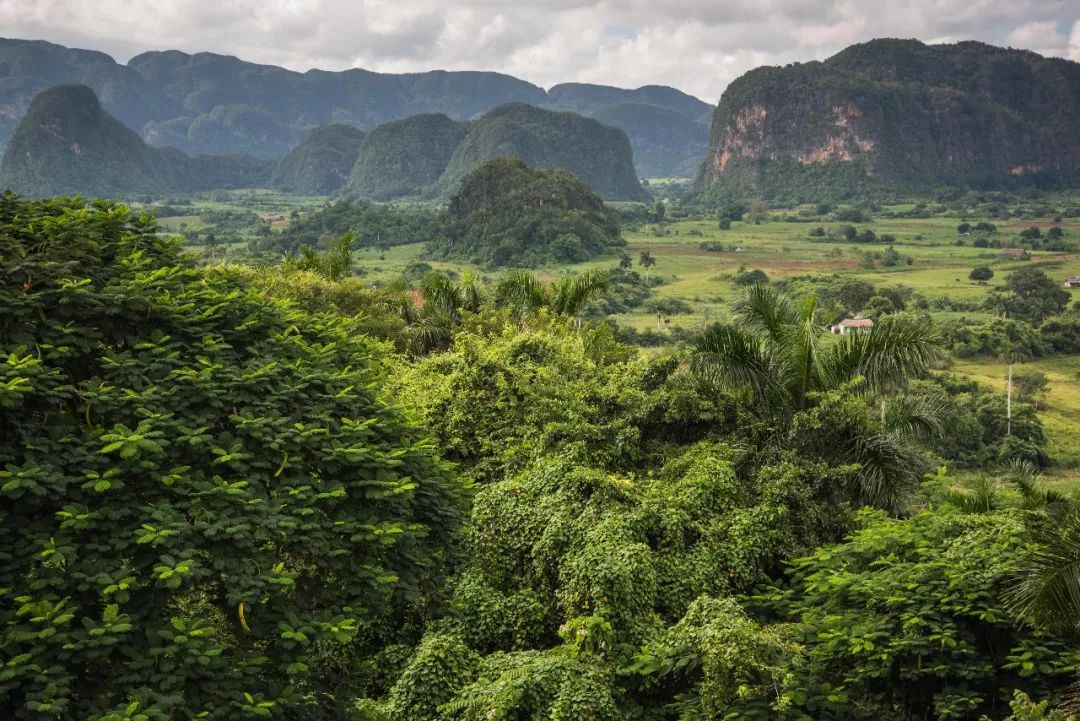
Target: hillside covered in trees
x: 68, y: 144
x: 429, y: 155
x: 321, y: 163
x: 215, y: 104
x: 506, y: 213
x: 897, y: 116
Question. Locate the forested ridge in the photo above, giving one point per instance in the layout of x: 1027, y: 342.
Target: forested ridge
x: 280, y: 492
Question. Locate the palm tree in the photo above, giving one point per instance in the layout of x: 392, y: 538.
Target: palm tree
x: 646, y: 261
x: 775, y: 348
x: 1048, y: 593
x: 431, y: 327
x: 524, y: 294
x: 626, y: 262
x: 777, y: 351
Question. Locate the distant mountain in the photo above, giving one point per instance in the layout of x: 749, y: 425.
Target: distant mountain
x: 405, y: 157
x: 428, y: 155
x: 67, y: 144
x: 598, y: 154
x: 666, y: 143
x: 321, y: 163
x: 207, y: 103
x: 897, y: 116
x: 590, y: 99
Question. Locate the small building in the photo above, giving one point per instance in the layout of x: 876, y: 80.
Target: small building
x: 272, y: 218
x: 1073, y: 282
x: 853, y: 326
x: 1014, y: 254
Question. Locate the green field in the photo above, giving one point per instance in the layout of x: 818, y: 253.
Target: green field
x: 704, y: 279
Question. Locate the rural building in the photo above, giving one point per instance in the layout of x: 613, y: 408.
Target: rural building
x: 853, y: 326
x: 1073, y: 282
x: 1014, y: 254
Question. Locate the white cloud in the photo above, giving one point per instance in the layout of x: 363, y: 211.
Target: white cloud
x: 696, y: 45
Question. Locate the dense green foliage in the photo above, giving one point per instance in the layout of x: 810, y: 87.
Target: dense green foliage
x: 218, y: 484
x: 68, y: 144
x: 506, y: 213
x: 874, y: 649
x: 372, y: 225
x: 321, y: 163
x: 896, y: 116
x: 203, y: 490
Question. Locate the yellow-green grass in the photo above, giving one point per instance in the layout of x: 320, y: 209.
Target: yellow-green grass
x: 1059, y: 410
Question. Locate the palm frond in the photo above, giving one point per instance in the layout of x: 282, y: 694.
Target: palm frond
x: 890, y: 470
x: 798, y: 343
x: 570, y: 294
x: 921, y: 417
x: 1048, y: 593
x: 735, y: 357
x: 765, y: 310
x: 899, y: 347
x: 520, y: 291
x: 983, y: 495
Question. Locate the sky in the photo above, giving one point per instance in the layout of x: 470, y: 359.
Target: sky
x: 698, y: 46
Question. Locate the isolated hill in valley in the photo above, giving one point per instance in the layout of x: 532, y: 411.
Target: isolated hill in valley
x: 505, y: 213
x: 321, y: 163
x: 405, y: 157
x: 896, y: 116
x: 67, y: 144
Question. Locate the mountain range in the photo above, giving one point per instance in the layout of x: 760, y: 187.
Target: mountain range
x: 68, y: 144
x: 897, y: 116
x: 214, y: 104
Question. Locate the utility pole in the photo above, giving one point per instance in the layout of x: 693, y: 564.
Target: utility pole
x: 1008, y: 405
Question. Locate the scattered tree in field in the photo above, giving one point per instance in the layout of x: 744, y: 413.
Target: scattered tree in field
x: 646, y: 261
x: 981, y: 274
x: 964, y: 228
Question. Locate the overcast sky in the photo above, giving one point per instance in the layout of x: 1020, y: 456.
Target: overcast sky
x: 696, y: 45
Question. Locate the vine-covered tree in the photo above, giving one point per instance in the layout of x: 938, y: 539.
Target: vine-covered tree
x: 207, y: 510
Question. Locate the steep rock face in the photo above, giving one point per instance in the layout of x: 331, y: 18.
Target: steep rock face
x: 67, y: 144
x: 321, y: 163
x: 405, y: 157
x: 598, y: 154
x: 897, y: 116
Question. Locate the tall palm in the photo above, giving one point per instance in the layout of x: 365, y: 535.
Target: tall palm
x: 646, y: 261
x: 524, y: 294
x: 776, y: 348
